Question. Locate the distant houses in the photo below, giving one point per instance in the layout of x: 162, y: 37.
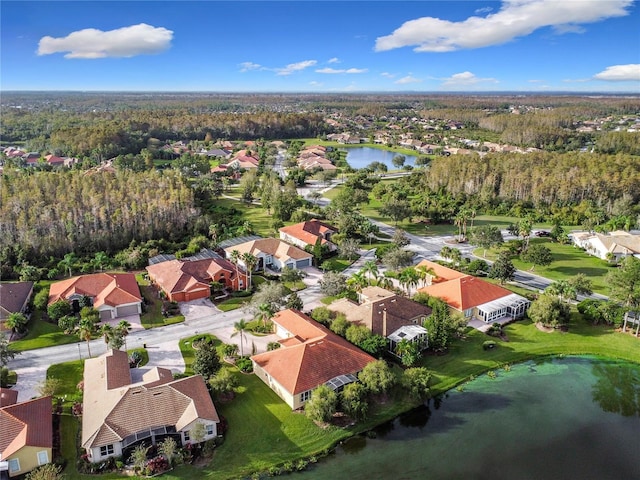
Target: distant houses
x: 613, y: 246
x: 310, y: 355
x: 272, y: 253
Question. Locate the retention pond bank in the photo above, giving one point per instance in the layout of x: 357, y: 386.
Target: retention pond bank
x: 558, y: 418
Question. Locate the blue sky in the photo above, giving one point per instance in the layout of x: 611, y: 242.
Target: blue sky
x: 321, y: 46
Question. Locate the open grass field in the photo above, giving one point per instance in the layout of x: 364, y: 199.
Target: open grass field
x: 568, y: 261
x: 42, y: 334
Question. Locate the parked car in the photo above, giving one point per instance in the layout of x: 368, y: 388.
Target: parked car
x: 542, y: 233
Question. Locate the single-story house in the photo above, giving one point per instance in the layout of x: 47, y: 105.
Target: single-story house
x: 185, y: 280
x: 387, y: 314
x: 307, y: 233
x: 14, y: 298
x: 474, y: 297
x: 119, y: 414
x: 310, y: 355
x: 615, y: 245
x: 26, y: 433
x: 272, y: 253
x: 114, y: 295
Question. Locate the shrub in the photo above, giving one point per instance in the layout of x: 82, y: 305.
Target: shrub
x: 245, y: 364
x: 489, y: 345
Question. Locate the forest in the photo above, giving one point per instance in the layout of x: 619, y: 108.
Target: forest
x: 574, y: 178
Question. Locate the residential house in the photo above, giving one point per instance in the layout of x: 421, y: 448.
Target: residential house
x: 185, y: 280
x: 612, y: 246
x: 310, y: 355
x: 307, y: 233
x: 114, y: 295
x: 243, y: 159
x: 272, y: 253
x: 475, y: 298
x: 120, y: 414
x: 14, y: 298
x: 387, y: 314
x: 26, y: 433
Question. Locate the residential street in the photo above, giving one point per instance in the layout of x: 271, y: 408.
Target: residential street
x: 162, y: 343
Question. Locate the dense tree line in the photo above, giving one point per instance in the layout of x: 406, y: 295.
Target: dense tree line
x: 543, y: 179
x: 52, y: 213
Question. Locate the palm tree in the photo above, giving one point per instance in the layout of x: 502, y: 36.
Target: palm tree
x: 445, y: 252
x: 68, y: 262
x: 250, y: 262
x: 16, y: 322
x: 424, y: 273
x: 408, y: 278
x: 235, y: 256
x: 124, y: 328
x: 240, y: 327
x: 370, y: 268
x: 358, y: 281
x: 100, y: 259
x: 85, y: 330
x: 264, y: 313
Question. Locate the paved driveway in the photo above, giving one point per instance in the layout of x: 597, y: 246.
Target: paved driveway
x: 198, y: 309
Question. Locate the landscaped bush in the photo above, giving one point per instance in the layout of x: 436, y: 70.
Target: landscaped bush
x: 241, y: 293
x: 245, y: 364
x: 489, y: 345
x: 157, y: 465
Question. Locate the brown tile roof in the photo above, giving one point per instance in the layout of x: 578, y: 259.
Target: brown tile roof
x: 175, y: 276
x: 26, y: 424
x: 106, y: 288
x: 271, y: 246
x: 309, y: 231
x: 13, y: 295
x: 466, y: 292
x: 8, y: 397
x: 111, y: 414
x: 315, y: 356
x: 382, y: 311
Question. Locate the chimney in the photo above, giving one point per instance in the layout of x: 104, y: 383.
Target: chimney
x: 384, y: 322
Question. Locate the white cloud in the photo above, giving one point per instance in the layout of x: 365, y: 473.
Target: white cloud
x: 141, y: 39
x: 406, y: 80
x: 247, y: 66
x: 341, y: 70
x: 482, y: 10
x: 315, y: 84
x: 334, y: 60
x: 295, y: 67
x: 516, y: 18
x: 465, y: 79
x: 620, y: 73
x: 388, y: 75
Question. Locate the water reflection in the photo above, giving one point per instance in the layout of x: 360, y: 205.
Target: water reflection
x: 617, y: 388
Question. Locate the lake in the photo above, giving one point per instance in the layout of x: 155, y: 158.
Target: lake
x: 562, y: 418
x: 361, y: 157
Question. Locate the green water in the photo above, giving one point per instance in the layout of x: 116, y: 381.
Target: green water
x: 558, y: 419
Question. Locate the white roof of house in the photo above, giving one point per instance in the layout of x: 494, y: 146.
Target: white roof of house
x: 407, y: 332
x: 509, y: 301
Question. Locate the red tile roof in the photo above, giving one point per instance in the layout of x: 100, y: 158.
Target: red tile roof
x: 175, y: 276
x: 26, y: 424
x: 8, y: 397
x: 315, y: 356
x: 442, y: 273
x: 466, y: 292
x: 309, y: 231
x: 106, y: 288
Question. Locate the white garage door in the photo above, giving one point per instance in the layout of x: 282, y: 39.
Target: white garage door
x: 127, y: 310
x: 303, y: 263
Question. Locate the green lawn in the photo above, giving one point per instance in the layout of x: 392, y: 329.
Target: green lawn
x: 256, y: 215
x: 232, y: 303
x: 42, y: 334
x: 336, y: 264
x: 153, y: 316
x: 568, y: 261
x: 188, y: 353
x: 466, y: 357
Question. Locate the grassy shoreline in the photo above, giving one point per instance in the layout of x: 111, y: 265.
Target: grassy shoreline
x: 265, y: 433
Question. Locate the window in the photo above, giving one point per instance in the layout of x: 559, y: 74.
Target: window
x: 106, y: 450
x: 43, y: 457
x: 210, y: 429
x: 186, y: 436
x: 14, y: 465
x: 304, y: 396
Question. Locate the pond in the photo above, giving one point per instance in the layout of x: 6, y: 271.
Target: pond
x: 361, y: 157
x: 562, y: 418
